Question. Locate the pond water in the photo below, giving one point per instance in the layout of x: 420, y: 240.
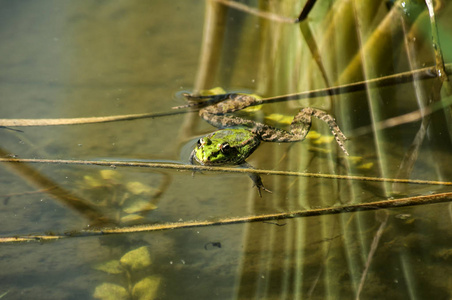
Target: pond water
x: 106, y: 58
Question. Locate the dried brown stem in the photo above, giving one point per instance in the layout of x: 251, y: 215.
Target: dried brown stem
x: 81, y: 121
x: 419, y: 74
x: 169, y: 166
x: 376, y: 205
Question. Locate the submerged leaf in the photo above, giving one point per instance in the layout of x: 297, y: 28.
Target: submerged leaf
x: 137, y: 188
x: 444, y: 254
x: 146, y: 288
x: 110, y: 267
x: 366, y: 166
x: 92, y: 182
x: 110, y: 174
x: 354, y: 159
x: 131, y: 218
x: 320, y: 150
x: 137, y: 259
x: 139, y: 205
x: 110, y: 291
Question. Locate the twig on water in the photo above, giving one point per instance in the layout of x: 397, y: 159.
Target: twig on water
x: 173, y: 166
x: 419, y: 74
x: 375, y: 205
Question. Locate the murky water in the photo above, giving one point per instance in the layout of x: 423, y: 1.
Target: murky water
x: 105, y: 58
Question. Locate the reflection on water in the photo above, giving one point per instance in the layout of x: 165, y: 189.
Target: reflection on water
x: 96, y: 58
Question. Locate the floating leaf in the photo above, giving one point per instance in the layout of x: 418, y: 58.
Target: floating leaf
x: 110, y: 291
x: 215, y: 91
x: 146, y: 288
x: 137, y: 188
x: 282, y: 119
x: 137, y: 259
x: 110, y: 174
x: 138, y: 205
x: 254, y: 108
x: 110, y: 267
x: 251, y: 109
x: 313, y: 135
x: 324, y: 140
x: 131, y: 218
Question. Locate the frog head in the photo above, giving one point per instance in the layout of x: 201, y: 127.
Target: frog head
x: 225, y: 147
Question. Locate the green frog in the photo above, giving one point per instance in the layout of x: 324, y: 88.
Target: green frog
x: 238, y: 138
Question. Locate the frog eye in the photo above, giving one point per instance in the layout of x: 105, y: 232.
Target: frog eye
x: 203, y: 142
x: 225, y: 147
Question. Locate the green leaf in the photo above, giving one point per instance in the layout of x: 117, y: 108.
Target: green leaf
x: 137, y: 259
x: 138, y: 205
x: 131, y: 218
x: 110, y: 174
x: 136, y: 188
x: 354, y: 159
x: 366, y: 166
x: 146, y: 288
x: 92, y: 182
x: 110, y: 267
x: 215, y: 91
x: 323, y: 140
x: 313, y: 135
x: 279, y: 118
x: 110, y: 291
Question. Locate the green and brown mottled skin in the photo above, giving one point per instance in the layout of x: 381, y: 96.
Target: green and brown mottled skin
x: 225, y: 147
x: 239, y: 139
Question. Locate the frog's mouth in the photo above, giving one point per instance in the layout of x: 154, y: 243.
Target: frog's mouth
x: 208, y: 153
x: 211, y: 158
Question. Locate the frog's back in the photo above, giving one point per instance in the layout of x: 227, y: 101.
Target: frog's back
x: 234, y: 136
x: 242, y: 140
